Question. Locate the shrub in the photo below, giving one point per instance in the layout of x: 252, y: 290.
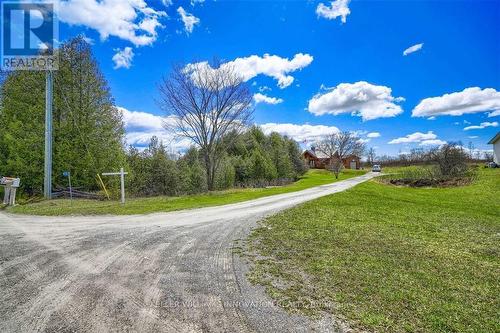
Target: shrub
x: 451, y: 160
x: 448, y: 167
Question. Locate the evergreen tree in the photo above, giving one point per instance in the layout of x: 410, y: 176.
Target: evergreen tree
x: 262, y: 166
x: 279, y: 154
x: 197, y: 180
x: 300, y: 167
x: 87, y: 128
x: 22, y: 122
x: 162, y: 172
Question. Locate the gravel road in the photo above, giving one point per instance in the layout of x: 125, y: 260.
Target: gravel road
x: 166, y: 272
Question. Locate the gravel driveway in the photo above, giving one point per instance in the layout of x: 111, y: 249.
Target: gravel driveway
x: 166, y: 272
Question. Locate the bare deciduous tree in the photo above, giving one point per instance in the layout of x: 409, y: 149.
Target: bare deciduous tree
x: 335, y: 165
x: 488, y: 157
x: 370, y: 154
x: 451, y: 160
x: 204, y: 104
x: 337, y: 147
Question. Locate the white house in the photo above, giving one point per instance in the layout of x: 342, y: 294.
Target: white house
x: 496, y: 148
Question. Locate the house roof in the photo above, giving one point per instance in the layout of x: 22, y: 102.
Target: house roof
x: 495, y: 139
x: 316, y: 154
x: 310, y: 152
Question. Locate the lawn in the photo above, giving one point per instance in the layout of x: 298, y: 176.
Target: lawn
x: 389, y: 259
x: 164, y: 204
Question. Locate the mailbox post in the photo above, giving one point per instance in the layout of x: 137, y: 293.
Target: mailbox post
x: 68, y: 174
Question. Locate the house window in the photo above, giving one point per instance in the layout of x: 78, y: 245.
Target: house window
x: 311, y: 163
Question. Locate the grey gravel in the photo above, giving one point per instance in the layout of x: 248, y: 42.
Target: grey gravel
x: 165, y: 272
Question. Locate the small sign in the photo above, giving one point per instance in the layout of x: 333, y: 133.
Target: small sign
x: 66, y: 173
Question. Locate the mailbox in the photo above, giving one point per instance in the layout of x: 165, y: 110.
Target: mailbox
x: 10, y: 186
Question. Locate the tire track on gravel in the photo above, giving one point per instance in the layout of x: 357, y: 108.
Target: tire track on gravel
x: 166, y: 272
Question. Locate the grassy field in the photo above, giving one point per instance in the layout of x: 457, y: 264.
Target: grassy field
x: 390, y: 259
x: 165, y: 204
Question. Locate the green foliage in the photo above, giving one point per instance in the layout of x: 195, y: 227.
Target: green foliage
x: 251, y: 159
x: 166, y: 204
x: 22, y: 128
x: 259, y: 157
x: 88, y: 129
x: 262, y: 166
x: 154, y: 172
x: 225, y: 175
x: 192, y: 176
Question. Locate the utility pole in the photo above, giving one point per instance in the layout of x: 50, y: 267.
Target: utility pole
x: 47, y: 183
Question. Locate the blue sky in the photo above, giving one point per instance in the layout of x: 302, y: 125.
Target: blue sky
x: 348, y: 75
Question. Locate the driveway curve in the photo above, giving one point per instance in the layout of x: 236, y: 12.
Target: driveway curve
x: 165, y: 272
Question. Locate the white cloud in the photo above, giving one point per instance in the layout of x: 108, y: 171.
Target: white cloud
x: 414, y: 138
x: 123, y: 58
x: 413, y: 48
x: 482, y: 125
x: 470, y: 100
x: 270, y: 65
x: 141, y: 126
x: 149, y: 25
x: 373, y: 135
x: 300, y: 133
x: 435, y: 142
x: 261, y: 98
x: 494, y: 114
x: 167, y: 3
x: 88, y: 40
x: 360, y: 99
x: 189, y: 20
x: 337, y: 8
x: 129, y: 20
x: 140, y: 121
x: 473, y: 136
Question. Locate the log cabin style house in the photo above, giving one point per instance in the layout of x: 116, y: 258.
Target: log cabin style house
x: 317, y: 161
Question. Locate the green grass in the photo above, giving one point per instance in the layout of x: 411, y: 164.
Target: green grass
x: 390, y: 259
x: 164, y: 204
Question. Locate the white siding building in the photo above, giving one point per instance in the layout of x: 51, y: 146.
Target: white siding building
x: 496, y: 148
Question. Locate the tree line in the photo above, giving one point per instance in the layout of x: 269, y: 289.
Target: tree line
x: 253, y: 159
x: 210, y: 107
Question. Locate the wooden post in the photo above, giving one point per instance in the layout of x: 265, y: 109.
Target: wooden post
x: 122, y: 184
x: 122, y: 181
